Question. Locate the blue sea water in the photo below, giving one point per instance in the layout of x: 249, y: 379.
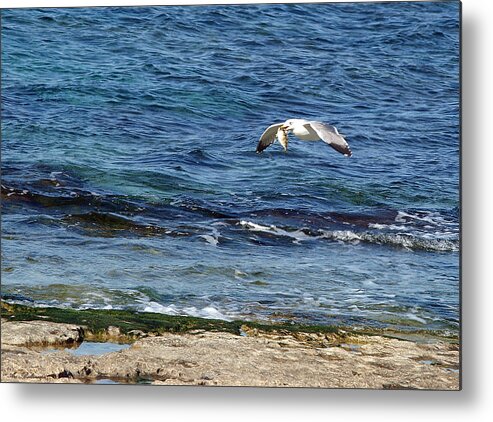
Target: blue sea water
x: 130, y: 178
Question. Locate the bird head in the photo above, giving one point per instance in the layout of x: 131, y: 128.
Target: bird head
x: 288, y: 125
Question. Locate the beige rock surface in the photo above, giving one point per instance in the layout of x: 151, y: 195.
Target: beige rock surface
x: 216, y: 358
x: 40, y: 333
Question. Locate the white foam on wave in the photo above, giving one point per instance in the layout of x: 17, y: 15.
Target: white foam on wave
x: 211, y: 238
x: 342, y: 236
x: 239, y: 275
x: 403, y: 238
x: 214, y: 241
x: 414, y: 317
x: 53, y: 177
x: 209, y: 312
x: 255, y: 226
x: 155, y: 307
x: 54, y: 174
x: 432, y: 218
x: 297, y: 235
x: 386, y: 226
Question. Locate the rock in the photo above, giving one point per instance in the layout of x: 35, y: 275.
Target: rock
x: 40, y: 333
x: 219, y: 358
x: 136, y: 334
x: 22, y: 363
x: 113, y: 331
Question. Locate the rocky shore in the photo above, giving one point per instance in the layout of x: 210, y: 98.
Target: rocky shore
x: 38, y: 349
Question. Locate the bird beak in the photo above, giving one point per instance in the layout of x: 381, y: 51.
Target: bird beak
x: 285, y: 127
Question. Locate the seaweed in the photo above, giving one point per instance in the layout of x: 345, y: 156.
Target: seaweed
x: 127, y: 322
x: 127, y: 325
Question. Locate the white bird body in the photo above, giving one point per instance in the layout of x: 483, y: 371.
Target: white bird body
x: 305, y: 130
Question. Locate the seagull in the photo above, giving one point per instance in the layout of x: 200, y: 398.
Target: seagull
x: 306, y: 130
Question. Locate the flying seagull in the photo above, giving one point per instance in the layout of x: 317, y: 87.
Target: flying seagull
x: 306, y: 130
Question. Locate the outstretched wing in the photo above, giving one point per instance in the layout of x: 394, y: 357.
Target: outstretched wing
x: 268, y: 137
x: 331, y: 136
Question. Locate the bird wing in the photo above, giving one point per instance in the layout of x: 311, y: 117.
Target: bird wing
x: 268, y: 137
x: 331, y: 136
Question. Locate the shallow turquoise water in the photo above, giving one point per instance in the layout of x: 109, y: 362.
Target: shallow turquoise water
x: 87, y: 348
x: 130, y: 179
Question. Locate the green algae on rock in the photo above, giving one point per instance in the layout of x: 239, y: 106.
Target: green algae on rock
x: 127, y: 325
x: 105, y: 323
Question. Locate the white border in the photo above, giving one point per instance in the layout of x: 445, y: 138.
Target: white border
x: 19, y: 402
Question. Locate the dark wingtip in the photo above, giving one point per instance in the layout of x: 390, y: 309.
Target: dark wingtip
x: 344, y: 150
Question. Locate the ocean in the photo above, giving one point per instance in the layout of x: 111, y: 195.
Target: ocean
x: 130, y: 178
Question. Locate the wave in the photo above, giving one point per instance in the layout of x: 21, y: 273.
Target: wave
x: 109, y: 224
x: 212, y: 238
x: 403, y: 240
x: 55, y: 197
x: 209, y: 312
x: 406, y: 241
x: 108, y: 215
x: 296, y: 235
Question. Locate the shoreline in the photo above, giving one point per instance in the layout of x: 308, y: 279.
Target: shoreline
x: 175, y: 350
